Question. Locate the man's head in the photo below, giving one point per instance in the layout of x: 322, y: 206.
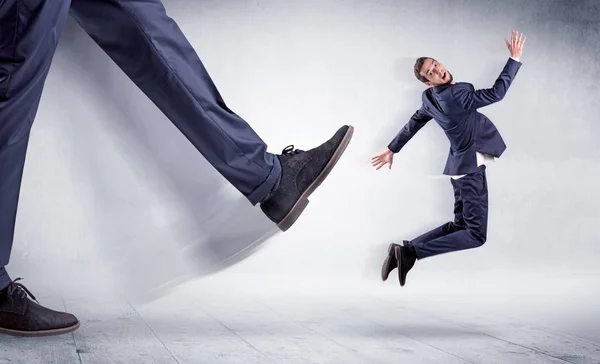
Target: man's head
x: 431, y: 72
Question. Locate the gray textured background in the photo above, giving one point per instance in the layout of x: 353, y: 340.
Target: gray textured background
x: 114, y: 195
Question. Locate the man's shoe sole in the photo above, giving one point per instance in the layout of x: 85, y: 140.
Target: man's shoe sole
x: 62, y: 331
x: 385, y: 269
x: 401, y: 278
x: 302, y: 202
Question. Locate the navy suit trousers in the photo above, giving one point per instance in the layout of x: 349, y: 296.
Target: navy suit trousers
x: 151, y: 49
x: 469, y: 228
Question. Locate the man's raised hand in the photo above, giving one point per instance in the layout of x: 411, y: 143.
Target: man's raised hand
x: 515, y: 46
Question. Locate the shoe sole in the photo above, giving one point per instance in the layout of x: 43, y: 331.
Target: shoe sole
x: 302, y: 202
x: 401, y: 278
x: 385, y: 269
x: 54, y: 332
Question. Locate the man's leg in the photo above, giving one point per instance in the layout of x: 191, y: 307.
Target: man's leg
x: 474, y: 194
x: 447, y: 228
x: 151, y: 49
x: 408, y: 252
x: 4, y: 277
x: 29, y: 33
x: 467, y: 231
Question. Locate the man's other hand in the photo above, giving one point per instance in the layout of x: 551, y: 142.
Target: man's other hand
x: 382, y: 159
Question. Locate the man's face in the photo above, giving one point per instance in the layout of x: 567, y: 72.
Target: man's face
x: 436, y: 73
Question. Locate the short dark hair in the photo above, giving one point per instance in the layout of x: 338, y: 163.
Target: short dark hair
x: 418, y: 66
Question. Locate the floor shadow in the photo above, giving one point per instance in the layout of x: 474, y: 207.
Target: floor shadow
x: 425, y: 331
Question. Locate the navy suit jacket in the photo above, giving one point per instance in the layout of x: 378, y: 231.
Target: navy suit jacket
x: 454, y: 108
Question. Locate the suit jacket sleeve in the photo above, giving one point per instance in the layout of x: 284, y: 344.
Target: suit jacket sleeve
x: 416, y: 122
x: 470, y: 98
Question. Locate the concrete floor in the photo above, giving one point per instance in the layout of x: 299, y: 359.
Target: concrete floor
x: 205, y: 322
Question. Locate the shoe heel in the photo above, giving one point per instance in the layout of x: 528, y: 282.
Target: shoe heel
x: 293, y: 215
x: 391, y: 247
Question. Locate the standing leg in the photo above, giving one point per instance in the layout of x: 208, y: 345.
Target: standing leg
x: 150, y: 48
x: 29, y: 33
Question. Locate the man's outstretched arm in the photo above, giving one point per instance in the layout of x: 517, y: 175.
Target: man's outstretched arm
x: 474, y: 99
x: 416, y: 122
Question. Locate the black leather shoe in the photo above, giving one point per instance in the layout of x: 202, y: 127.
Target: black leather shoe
x: 406, y: 258
x: 390, y: 263
x: 20, y: 316
x: 301, y: 173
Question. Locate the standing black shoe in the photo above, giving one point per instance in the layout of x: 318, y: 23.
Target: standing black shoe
x: 390, y: 263
x: 406, y: 258
x: 20, y: 316
x: 301, y: 173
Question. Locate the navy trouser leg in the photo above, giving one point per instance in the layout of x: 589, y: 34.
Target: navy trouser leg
x: 469, y: 228
x: 4, y: 278
x: 447, y: 228
x: 29, y: 33
x: 150, y: 48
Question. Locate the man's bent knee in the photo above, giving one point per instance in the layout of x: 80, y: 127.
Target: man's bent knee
x: 477, y: 238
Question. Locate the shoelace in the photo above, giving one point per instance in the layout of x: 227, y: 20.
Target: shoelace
x: 19, y: 290
x: 289, y: 150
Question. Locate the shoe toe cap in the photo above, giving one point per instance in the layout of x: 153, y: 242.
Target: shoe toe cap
x: 68, y: 320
